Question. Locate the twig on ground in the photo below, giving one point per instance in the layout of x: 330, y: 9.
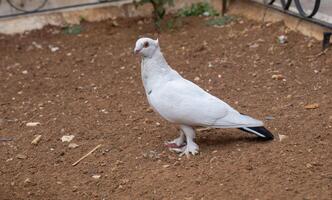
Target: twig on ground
x: 86, y: 155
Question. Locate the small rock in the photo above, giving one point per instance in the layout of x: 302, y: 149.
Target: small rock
x: 38, y: 46
x: 96, y: 176
x: 25, y: 72
x: 308, y: 165
x: 27, y: 181
x: 149, y: 110
x: 269, y: 118
x: 196, y: 78
x: 53, y: 48
x: 255, y: 45
x: 73, y: 145
x: 166, y: 166
x: 21, y: 156
x: 115, y: 23
x: 67, y: 138
x: 282, y: 137
x: 31, y: 124
x: 157, y: 124
x: 278, y: 77
x: 282, y: 39
x: 311, y: 106
x: 140, y: 22
x: 36, y: 140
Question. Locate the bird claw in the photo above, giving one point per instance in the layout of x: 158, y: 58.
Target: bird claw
x: 172, y: 145
x: 178, y: 150
x: 190, y: 149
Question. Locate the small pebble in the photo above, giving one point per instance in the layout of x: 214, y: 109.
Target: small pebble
x: 31, y: 124
x: 269, y: 118
x: 21, y: 156
x: 73, y: 145
x: 36, y: 140
x: 96, y: 176
x: 67, y: 138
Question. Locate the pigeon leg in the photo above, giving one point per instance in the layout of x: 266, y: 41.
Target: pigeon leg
x: 177, y: 143
x: 191, y: 147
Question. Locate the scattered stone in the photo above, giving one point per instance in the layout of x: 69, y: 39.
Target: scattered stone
x: 269, y: 118
x: 282, y: 137
x: 96, y: 176
x: 27, y: 181
x: 25, y: 72
x: 278, y: 77
x: 73, y: 145
x: 36, y: 140
x: 140, y: 22
x: 67, y: 138
x: 196, y: 78
x: 115, y: 23
x: 255, y: 45
x: 53, y: 48
x: 149, y: 110
x: 308, y: 165
x: 282, y: 39
x: 38, y: 46
x: 311, y: 106
x: 32, y: 124
x: 151, y: 155
x: 21, y: 156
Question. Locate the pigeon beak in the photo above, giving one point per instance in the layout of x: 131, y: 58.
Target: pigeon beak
x: 136, y: 51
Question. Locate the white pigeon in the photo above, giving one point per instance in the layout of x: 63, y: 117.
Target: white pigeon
x: 185, y: 104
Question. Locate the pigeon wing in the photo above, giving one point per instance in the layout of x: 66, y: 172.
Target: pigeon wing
x: 183, y: 102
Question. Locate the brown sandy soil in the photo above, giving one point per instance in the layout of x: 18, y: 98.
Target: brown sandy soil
x: 91, y: 88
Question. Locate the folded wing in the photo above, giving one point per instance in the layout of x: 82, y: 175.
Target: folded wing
x: 183, y: 102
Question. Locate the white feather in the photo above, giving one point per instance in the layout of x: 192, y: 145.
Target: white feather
x: 183, y: 102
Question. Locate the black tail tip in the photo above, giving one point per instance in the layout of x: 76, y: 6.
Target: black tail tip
x: 260, y: 131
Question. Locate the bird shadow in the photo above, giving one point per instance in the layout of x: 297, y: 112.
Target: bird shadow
x: 229, y: 138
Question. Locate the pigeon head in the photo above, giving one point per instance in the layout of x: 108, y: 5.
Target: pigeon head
x: 146, y: 47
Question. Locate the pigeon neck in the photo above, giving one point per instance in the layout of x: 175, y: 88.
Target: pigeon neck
x: 156, y: 62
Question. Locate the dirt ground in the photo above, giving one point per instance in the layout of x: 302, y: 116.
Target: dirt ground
x: 90, y: 87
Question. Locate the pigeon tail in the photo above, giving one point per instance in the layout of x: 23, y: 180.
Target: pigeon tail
x: 260, y: 131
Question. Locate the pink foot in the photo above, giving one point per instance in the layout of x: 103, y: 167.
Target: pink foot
x: 174, y: 145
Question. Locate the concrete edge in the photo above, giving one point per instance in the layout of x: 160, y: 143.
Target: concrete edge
x: 258, y: 12
x: 126, y: 8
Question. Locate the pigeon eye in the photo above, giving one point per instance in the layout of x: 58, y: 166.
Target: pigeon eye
x: 146, y: 45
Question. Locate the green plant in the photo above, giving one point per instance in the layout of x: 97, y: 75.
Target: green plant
x: 73, y: 29
x: 220, y: 21
x: 198, y: 9
x: 159, y: 9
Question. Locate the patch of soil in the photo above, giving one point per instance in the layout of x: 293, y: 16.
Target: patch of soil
x: 91, y: 88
